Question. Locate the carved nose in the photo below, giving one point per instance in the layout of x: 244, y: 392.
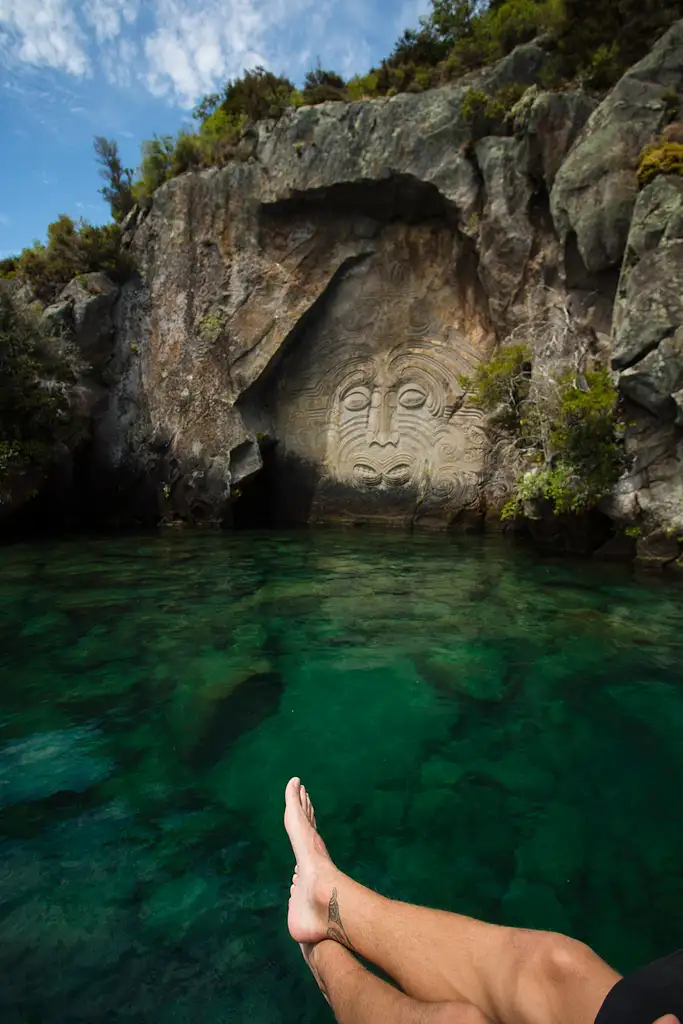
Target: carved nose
x: 381, y: 420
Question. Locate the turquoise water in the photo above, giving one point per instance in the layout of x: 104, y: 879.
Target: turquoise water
x: 480, y: 731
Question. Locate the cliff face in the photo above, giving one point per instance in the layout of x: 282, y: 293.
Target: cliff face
x: 313, y: 306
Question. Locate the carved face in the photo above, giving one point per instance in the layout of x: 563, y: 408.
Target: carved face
x: 393, y: 422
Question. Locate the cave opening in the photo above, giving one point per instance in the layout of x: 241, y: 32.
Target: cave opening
x: 255, y: 503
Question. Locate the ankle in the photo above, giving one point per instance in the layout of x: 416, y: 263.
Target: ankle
x: 325, y: 884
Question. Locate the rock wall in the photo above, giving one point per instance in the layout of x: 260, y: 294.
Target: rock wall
x: 313, y: 305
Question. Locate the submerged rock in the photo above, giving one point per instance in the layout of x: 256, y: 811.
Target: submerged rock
x: 50, y: 763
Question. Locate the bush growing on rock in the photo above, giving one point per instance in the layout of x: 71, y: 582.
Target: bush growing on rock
x: 37, y: 374
x: 553, y: 439
x: 155, y: 167
x: 9, y: 267
x: 118, y: 188
x: 72, y: 249
x: 487, y: 114
x: 660, y: 158
x: 322, y: 86
x: 363, y: 87
x: 600, y: 40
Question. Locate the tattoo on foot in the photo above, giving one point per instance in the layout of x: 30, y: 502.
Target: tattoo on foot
x: 335, y: 927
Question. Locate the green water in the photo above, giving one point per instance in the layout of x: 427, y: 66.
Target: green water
x: 480, y: 731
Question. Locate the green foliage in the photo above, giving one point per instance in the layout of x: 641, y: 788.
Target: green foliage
x: 501, y: 386
x: 35, y: 376
x: 452, y: 20
x: 321, y: 86
x: 604, y: 69
x: 486, y: 114
x: 186, y: 154
x: 660, y: 158
x: 72, y: 249
x: 363, y: 87
x: 117, y: 190
x: 587, y: 458
x: 9, y: 267
x: 257, y: 95
x: 590, y: 31
x: 219, y: 135
x: 206, y: 106
x: 566, y: 431
x: 493, y: 30
x: 155, y: 167
x: 634, y: 532
x: 422, y: 48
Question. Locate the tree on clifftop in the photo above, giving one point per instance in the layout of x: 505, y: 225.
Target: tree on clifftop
x: 117, y: 190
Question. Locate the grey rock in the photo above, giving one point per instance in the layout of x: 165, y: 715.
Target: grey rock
x: 358, y: 249
x: 58, y: 317
x: 506, y: 235
x: 596, y: 188
x: 657, y: 549
x: 653, y: 380
x: 649, y: 302
x: 91, y: 299
x: 554, y: 122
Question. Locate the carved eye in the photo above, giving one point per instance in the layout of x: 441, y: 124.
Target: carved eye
x: 357, y: 399
x: 412, y: 397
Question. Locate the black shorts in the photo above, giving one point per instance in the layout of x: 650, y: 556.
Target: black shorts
x: 647, y: 994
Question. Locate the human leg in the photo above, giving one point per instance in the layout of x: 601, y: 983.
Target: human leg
x: 359, y: 997
x: 515, y: 976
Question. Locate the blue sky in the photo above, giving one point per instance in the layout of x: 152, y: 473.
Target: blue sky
x: 72, y: 69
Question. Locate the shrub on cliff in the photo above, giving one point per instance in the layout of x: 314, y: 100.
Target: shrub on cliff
x: 487, y: 114
x: 600, y: 39
x: 554, y: 438
x: 155, y: 166
x: 9, y: 267
x: 37, y: 374
x: 258, y: 94
x: 660, y: 158
x: 118, y: 180
x: 321, y: 86
x: 496, y: 29
x: 72, y: 249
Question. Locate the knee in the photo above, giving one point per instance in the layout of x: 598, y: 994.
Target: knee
x: 559, y: 960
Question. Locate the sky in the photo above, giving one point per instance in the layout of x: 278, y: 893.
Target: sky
x: 125, y: 69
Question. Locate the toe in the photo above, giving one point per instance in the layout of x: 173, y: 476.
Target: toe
x: 292, y: 789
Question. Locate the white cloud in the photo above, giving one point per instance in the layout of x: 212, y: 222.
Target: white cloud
x: 44, y: 33
x: 196, y: 46
x: 107, y: 17
x: 182, y: 49
x: 118, y: 62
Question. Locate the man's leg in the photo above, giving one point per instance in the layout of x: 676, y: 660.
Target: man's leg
x: 358, y: 997
x: 515, y: 976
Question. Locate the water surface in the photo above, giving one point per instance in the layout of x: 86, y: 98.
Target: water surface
x: 481, y: 731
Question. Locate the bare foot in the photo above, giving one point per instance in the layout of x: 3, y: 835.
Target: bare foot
x: 314, y: 874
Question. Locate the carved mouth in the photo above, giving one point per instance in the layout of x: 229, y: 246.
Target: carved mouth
x: 371, y: 476
x: 398, y: 474
x: 366, y: 474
